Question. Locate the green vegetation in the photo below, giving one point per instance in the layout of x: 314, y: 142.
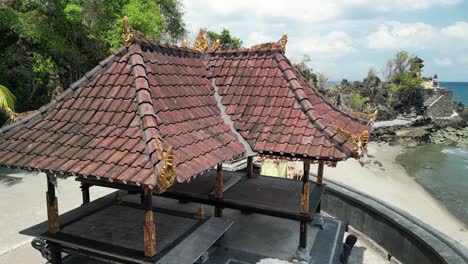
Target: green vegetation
x: 7, y: 99
x: 400, y: 93
x: 316, y: 79
x: 226, y: 40
x: 47, y: 45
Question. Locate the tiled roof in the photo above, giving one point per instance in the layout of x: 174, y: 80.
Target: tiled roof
x: 276, y: 110
x: 112, y: 123
x: 104, y: 127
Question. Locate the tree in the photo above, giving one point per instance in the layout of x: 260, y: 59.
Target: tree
x: 226, y: 40
x: 48, y: 44
x: 405, y: 91
x: 7, y: 99
x: 306, y: 72
x: 399, y: 63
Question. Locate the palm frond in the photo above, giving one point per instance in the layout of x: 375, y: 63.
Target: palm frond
x: 7, y: 99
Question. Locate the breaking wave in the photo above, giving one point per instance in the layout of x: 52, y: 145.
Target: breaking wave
x: 456, y: 151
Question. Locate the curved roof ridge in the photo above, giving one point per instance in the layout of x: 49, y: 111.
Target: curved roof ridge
x: 88, y: 76
x: 147, y: 117
x: 305, y: 103
x: 245, y: 50
x: 151, y: 44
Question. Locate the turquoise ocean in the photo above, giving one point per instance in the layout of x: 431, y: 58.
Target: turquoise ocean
x: 443, y: 170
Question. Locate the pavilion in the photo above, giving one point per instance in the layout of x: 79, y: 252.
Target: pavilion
x: 151, y: 117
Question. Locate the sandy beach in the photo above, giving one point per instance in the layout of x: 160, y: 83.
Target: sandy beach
x: 392, y: 184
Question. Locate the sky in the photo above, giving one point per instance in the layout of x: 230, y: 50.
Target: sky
x: 344, y: 38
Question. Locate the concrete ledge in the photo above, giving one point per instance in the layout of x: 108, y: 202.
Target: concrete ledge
x: 402, y: 235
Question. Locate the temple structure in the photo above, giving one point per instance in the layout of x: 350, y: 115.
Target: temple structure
x: 151, y: 117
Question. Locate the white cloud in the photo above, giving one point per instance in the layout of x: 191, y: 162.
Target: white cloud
x: 332, y: 45
x: 396, y: 35
x: 310, y: 11
x: 334, y: 30
x: 457, y: 30
x: 259, y: 37
x: 444, y: 61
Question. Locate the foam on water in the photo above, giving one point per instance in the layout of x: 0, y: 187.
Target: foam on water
x: 456, y: 151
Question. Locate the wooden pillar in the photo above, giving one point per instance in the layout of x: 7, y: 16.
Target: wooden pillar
x: 304, y: 205
x: 250, y: 167
x: 149, y: 227
x: 219, y: 189
x: 320, y: 172
x: 52, y: 207
x: 85, y: 192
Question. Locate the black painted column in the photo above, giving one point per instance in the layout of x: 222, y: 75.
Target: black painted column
x: 85, y: 192
x: 304, y: 205
x: 219, y: 189
x: 55, y: 253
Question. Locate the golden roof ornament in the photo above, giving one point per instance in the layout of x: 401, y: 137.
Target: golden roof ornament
x: 127, y: 35
x: 168, y: 172
x: 360, y: 141
x: 216, y: 45
x: 370, y: 117
x: 201, y: 43
x: 271, y: 45
x: 13, y: 116
x: 185, y: 45
x: 282, y: 42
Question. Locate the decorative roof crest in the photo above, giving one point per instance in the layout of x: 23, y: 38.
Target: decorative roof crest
x: 127, y: 35
x: 360, y: 141
x: 270, y: 45
x: 201, y: 43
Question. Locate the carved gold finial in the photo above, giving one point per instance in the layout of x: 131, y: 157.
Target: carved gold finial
x: 13, y: 116
x: 282, y: 42
x: 168, y: 172
x: 201, y: 43
x: 270, y: 45
x: 216, y: 45
x: 127, y: 35
x: 185, y: 44
x: 359, y: 142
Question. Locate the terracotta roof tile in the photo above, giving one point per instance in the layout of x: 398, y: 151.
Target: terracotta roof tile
x: 107, y: 123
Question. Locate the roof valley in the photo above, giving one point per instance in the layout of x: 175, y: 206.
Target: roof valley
x: 228, y: 121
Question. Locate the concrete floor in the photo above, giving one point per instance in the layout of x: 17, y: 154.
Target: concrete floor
x: 22, y: 200
x: 23, y: 204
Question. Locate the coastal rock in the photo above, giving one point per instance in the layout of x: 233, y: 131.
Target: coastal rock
x: 411, y: 137
x: 451, y: 137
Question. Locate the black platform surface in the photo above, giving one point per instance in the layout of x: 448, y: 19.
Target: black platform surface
x: 251, y: 237
x: 263, y: 194
x: 103, y: 230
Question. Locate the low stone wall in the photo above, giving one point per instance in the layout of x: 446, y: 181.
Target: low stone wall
x: 401, y: 235
x: 442, y: 107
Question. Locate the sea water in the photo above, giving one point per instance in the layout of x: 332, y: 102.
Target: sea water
x: 443, y: 171
x: 460, y: 91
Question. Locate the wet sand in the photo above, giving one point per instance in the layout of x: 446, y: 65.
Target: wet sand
x: 392, y: 184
